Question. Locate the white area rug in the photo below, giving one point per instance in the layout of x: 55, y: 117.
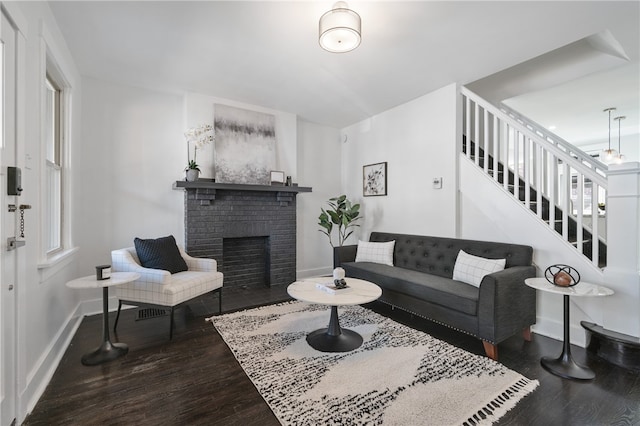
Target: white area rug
x: 399, y: 376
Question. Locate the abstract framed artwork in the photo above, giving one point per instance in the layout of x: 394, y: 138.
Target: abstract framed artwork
x: 374, y: 179
x: 245, y: 145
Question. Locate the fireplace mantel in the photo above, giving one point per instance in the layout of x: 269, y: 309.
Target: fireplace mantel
x: 208, y: 184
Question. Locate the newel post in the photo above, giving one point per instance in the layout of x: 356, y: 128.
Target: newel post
x: 623, y: 249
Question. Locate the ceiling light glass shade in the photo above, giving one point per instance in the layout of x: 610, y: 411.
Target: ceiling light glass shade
x: 340, y: 29
x: 609, y: 156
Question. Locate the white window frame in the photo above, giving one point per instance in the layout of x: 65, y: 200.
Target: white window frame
x: 53, y: 206
x: 52, y: 260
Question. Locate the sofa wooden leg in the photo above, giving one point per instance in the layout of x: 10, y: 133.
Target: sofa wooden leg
x: 491, y: 350
x: 526, y: 333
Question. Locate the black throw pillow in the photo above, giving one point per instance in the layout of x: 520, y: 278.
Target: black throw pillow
x: 161, y: 253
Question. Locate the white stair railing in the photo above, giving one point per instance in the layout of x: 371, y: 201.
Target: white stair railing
x: 540, y: 170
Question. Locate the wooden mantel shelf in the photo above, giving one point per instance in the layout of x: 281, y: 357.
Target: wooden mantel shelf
x: 208, y: 184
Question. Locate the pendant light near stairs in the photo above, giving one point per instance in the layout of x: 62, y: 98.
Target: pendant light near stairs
x: 620, y: 159
x: 609, y: 155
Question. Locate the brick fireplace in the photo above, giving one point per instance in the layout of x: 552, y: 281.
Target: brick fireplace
x: 249, y: 229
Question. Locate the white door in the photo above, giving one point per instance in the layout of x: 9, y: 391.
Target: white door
x: 8, y: 222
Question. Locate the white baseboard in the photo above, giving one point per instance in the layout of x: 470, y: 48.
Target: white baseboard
x: 554, y: 329
x: 40, y: 376
x: 306, y: 273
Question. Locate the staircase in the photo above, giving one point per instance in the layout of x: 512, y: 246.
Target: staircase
x: 534, y: 167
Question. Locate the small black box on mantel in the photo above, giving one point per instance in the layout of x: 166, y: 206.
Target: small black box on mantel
x: 103, y: 272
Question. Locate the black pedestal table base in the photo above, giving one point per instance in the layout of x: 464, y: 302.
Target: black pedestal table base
x: 564, y: 365
x: 107, y: 351
x: 334, y: 338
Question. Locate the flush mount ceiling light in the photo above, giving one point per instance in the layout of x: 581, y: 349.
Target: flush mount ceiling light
x: 340, y: 29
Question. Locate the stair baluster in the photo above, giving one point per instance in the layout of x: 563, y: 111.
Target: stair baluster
x: 551, y: 178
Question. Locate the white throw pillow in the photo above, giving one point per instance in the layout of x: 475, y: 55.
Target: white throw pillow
x: 471, y: 269
x: 375, y: 252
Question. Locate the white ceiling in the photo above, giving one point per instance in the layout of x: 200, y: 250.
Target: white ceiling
x: 574, y: 110
x: 266, y: 53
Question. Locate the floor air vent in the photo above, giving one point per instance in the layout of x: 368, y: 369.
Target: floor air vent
x: 148, y: 313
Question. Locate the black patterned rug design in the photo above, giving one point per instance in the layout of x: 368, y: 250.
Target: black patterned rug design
x: 399, y: 376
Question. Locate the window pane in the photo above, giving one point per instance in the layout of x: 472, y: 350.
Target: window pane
x: 52, y: 121
x: 53, y: 207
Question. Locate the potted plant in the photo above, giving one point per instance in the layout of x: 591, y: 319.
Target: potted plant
x: 342, y: 214
x: 193, y: 171
x: 200, y: 136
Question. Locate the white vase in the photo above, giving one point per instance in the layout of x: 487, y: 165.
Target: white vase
x: 192, y: 175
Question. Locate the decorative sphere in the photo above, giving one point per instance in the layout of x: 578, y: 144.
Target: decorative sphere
x: 562, y: 279
x: 338, y: 274
x: 562, y: 275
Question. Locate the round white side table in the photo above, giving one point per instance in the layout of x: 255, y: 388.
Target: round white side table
x: 107, y: 351
x: 564, y: 365
x: 334, y: 338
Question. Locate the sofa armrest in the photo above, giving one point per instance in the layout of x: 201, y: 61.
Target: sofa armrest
x: 148, y: 275
x: 344, y: 254
x: 122, y: 261
x: 199, y: 263
x: 506, y: 305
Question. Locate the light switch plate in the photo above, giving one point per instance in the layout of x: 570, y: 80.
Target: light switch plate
x: 437, y: 183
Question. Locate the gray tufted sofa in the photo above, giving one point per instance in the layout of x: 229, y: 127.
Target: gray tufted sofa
x: 421, y: 282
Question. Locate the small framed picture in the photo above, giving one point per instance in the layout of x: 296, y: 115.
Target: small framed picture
x: 374, y: 179
x: 277, y: 177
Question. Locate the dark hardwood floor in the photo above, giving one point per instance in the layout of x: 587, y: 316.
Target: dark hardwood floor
x: 195, y: 380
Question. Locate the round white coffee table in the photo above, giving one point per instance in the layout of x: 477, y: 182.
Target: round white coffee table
x: 564, y: 365
x: 334, y: 338
x: 107, y: 351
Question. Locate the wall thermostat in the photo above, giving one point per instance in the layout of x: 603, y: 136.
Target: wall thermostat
x: 437, y: 183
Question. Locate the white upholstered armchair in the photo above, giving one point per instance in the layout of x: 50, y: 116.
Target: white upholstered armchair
x: 160, y: 288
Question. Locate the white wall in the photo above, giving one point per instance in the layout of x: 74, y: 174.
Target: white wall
x: 131, y: 154
x: 199, y: 109
x: 319, y: 166
x: 134, y: 150
x: 622, y: 273
x: 418, y: 141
